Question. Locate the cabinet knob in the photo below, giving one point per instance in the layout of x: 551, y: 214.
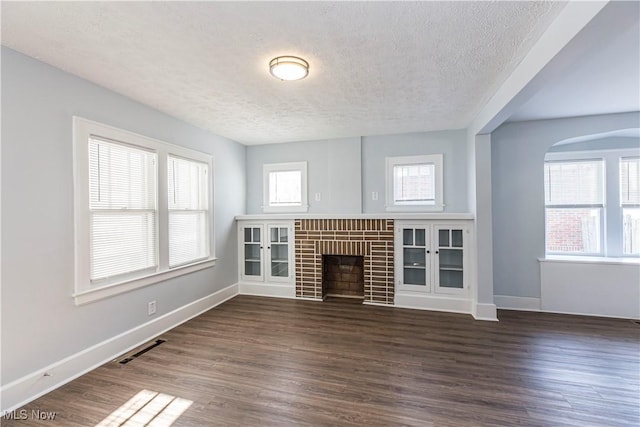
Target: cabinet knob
x: 268, y: 247
x: 437, y: 252
x: 428, y: 252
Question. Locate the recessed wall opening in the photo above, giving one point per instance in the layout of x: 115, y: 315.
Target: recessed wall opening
x: 343, y: 276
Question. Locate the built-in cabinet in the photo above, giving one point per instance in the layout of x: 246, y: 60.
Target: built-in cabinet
x: 266, y: 257
x: 433, y: 266
x: 431, y: 259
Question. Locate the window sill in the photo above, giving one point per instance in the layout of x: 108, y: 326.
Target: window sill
x: 91, y: 295
x: 589, y: 259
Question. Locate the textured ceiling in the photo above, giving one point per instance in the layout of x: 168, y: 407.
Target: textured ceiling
x: 375, y: 67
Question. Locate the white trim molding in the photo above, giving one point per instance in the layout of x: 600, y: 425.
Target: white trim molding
x: 419, y: 301
x: 435, y: 160
x: 487, y: 312
x: 31, y: 386
x: 269, y: 168
x: 267, y: 290
x: 92, y: 295
x: 507, y: 302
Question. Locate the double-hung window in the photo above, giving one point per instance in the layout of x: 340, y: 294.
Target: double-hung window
x: 123, y: 216
x: 574, y: 205
x: 630, y: 204
x: 415, y: 183
x: 285, y: 187
x: 188, y: 211
x: 142, y: 210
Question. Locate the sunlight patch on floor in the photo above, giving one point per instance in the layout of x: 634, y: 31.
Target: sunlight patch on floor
x: 147, y: 408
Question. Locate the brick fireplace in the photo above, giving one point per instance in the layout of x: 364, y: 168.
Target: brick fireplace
x: 371, y: 239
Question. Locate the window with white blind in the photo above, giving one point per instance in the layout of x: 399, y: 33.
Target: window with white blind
x: 574, y: 203
x: 285, y: 187
x: 142, y: 210
x: 415, y: 183
x: 122, y: 210
x: 630, y: 204
x: 188, y: 211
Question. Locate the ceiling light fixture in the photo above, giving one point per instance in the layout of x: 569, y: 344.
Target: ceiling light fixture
x: 289, y: 68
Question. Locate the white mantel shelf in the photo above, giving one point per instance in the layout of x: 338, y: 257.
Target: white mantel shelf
x: 403, y: 216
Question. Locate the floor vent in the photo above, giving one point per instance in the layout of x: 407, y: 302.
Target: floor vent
x: 128, y: 359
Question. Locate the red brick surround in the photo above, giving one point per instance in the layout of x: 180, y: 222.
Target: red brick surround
x: 370, y: 238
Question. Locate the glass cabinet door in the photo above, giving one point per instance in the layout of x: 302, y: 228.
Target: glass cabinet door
x: 279, y: 251
x: 252, y: 252
x: 415, y: 260
x: 450, y: 259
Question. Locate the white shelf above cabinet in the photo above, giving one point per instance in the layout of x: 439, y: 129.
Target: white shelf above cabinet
x: 441, y: 216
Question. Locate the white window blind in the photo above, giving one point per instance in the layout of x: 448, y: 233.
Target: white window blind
x: 123, y: 213
x: 630, y: 181
x: 285, y: 188
x: 574, y: 183
x: 414, y: 184
x: 188, y: 210
x: 630, y: 201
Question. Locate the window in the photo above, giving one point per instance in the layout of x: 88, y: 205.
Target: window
x: 285, y: 187
x: 414, y: 183
x: 142, y: 211
x: 630, y: 203
x: 122, y: 210
x: 574, y: 202
x: 188, y: 211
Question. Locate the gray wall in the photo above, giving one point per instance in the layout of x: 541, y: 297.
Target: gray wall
x: 333, y: 171
x: 452, y: 144
x: 517, y: 158
x: 346, y: 171
x: 40, y: 322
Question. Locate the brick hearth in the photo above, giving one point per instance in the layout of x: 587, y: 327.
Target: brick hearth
x: 370, y: 238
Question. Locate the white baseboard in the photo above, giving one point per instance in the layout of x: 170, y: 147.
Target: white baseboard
x: 506, y: 302
x: 483, y: 311
x: 267, y: 290
x: 433, y: 303
x: 30, y: 387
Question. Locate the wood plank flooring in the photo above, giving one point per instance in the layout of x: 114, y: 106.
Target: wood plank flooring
x: 260, y: 361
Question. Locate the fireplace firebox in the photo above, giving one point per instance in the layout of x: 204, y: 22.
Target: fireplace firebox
x: 343, y: 276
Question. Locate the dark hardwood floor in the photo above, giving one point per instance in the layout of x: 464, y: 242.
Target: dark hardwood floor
x: 260, y: 361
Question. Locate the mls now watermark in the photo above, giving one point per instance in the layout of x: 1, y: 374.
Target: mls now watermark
x: 34, y: 414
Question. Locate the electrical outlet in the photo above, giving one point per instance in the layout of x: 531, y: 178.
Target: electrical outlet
x: 152, y: 308
x: 317, y: 197
x: 374, y: 195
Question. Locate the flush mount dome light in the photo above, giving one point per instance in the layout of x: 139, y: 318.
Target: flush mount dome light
x: 289, y: 68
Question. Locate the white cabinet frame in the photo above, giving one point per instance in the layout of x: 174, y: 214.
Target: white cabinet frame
x: 445, y: 262
x: 266, y: 261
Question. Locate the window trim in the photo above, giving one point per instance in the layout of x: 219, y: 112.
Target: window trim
x: 267, y: 168
x: 434, y: 159
x: 84, y: 290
